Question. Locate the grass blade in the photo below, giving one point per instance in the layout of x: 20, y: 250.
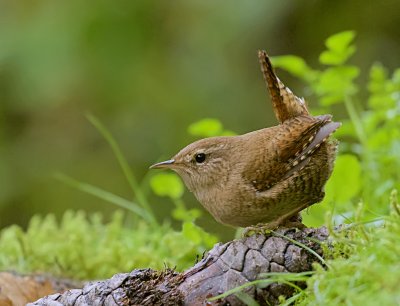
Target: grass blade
x: 105, y: 195
x: 247, y: 299
x: 133, y: 183
x: 302, y: 246
x: 240, y: 288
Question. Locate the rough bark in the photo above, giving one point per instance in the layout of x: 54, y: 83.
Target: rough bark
x: 224, y: 267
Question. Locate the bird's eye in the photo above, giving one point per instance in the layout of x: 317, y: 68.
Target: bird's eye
x: 200, y: 158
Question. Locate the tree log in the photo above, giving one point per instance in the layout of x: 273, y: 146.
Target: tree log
x: 224, y: 267
x: 16, y: 289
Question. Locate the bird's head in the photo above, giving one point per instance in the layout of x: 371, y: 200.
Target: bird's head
x: 203, y: 163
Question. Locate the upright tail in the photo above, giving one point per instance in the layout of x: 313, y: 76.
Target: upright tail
x: 285, y: 104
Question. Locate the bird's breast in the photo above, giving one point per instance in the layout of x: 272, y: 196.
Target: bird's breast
x: 228, y: 204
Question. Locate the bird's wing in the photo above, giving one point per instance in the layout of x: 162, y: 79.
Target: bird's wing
x: 292, y: 147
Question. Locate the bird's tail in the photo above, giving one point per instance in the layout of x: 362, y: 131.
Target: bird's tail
x: 285, y: 104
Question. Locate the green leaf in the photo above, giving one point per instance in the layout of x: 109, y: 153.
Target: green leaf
x: 335, y: 83
x: 345, y: 182
x: 396, y: 78
x: 346, y: 130
x: 207, y: 127
x: 334, y: 58
x: 381, y: 89
x: 246, y: 298
x: 183, y: 214
x: 377, y: 78
x: 197, y: 235
x: 340, y: 41
x: 344, y: 185
x: 167, y: 184
x: 295, y: 65
x: 192, y: 232
x: 339, y: 48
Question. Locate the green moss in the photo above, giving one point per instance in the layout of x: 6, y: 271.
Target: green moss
x: 365, y: 270
x: 83, y: 247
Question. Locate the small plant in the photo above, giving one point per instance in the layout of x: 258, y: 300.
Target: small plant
x: 364, y: 265
x: 367, y: 165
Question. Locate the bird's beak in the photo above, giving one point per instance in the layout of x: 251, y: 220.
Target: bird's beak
x: 164, y: 164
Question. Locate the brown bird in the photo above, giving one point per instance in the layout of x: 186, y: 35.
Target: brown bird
x: 266, y: 176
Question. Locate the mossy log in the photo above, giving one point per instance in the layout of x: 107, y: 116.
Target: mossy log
x: 224, y: 267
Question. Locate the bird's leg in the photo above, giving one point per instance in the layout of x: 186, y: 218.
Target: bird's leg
x: 293, y: 221
x: 259, y: 229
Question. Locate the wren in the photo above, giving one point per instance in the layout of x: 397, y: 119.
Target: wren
x: 265, y: 176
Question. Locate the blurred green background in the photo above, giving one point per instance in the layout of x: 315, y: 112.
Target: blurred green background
x: 147, y: 69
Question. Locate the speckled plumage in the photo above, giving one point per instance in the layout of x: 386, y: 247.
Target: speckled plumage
x: 265, y: 176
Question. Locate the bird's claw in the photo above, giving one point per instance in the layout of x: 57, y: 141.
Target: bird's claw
x: 267, y: 228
